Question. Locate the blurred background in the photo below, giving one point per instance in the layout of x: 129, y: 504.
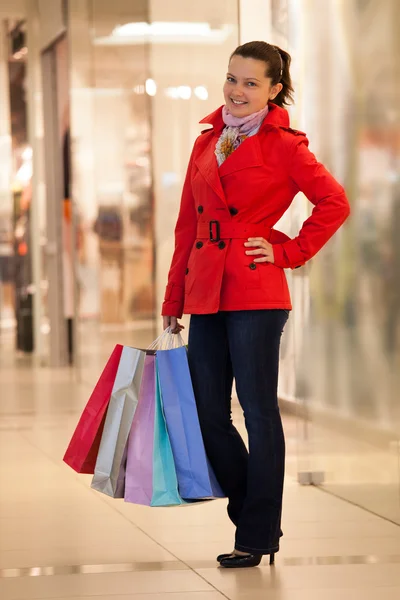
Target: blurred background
x: 99, y: 107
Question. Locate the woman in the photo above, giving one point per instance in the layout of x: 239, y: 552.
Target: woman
x: 227, y: 272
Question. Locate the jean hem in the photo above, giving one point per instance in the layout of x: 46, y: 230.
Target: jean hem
x: 253, y: 550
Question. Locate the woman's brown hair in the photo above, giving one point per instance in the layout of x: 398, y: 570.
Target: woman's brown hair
x: 278, y: 67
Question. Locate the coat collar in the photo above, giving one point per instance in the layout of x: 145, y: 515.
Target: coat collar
x: 246, y: 156
x: 277, y: 116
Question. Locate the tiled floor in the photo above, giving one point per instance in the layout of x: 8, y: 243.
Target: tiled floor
x: 61, y: 540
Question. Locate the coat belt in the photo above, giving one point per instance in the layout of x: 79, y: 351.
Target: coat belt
x: 227, y: 230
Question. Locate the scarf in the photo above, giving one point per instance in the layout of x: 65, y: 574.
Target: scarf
x: 237, y: 129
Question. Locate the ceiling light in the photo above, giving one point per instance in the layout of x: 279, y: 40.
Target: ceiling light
x: 151, y: 87
x: 172, y: 92
x: 201, y: 92
x: 161, y: 28
x: 164, y: 32
x: 184, y: 92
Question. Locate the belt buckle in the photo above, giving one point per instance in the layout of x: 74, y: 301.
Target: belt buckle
x: 217, y: 228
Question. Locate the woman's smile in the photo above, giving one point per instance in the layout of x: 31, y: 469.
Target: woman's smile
x: 247, y: 88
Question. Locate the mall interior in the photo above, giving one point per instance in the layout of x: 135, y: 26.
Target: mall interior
x: 100, y: 103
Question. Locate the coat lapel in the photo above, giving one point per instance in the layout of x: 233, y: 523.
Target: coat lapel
x: 246, y: 156
x: 207, y: 164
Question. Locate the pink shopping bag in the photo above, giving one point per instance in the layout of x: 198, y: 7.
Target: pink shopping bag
x: 139, y: 464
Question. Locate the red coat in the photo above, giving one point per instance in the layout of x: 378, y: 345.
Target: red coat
x: 244, y: 198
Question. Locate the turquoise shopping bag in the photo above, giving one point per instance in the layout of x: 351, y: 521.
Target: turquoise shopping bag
x: 165, y: 483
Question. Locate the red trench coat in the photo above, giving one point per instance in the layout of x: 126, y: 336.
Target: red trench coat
x: 242, y: 198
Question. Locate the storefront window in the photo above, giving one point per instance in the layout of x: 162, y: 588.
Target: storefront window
x: 142, y: 76
x: 346, y: 347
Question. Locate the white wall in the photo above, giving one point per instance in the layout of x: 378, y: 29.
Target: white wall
x: 51, y: 21
x: 5, y: 135
x: 255, y: 20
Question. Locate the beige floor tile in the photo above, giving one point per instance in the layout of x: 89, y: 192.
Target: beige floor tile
x: 203, y: 555
x: 50, y: 517
x: 341, y: 529
x: 244, y: 580
x: 304, y: 577
x: 135, y: 550
x: 40, y: 488
x: 383, y: 593
x: 83, y: 524
x: 194, y: 553
x: 134, y: 544
x: 346, y: 546
x: 198, y: 534
x: 304, y: 512
x: 212, y: 513
x: 75, y: 532
x: 92, y: 569
x: 43, y: 588
x: 169, y: 596
x: 65, y: 507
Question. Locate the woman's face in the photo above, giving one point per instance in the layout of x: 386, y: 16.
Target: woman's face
x: 247, y: 89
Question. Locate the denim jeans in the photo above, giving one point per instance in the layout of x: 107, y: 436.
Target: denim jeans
x: 243, y: 345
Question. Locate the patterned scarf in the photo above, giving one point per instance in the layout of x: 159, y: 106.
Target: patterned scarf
x: 237, y: 129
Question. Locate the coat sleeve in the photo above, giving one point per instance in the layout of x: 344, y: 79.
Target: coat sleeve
x: 331, y: 207
x: 185, y: 235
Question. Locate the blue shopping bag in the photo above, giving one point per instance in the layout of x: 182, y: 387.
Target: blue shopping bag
x: 165, y: 484
x: 196, y: 479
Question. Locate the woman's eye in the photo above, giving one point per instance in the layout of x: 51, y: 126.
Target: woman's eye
x: 251, y: 83
x: 230, y: 79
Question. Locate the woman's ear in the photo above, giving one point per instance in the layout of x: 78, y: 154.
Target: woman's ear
x: 276, y: 89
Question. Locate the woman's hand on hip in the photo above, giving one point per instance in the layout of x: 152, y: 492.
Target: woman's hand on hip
x: 173, y: 323
x: 261, y: 247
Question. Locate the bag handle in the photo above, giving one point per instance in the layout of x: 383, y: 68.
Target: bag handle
x: 167, y: 341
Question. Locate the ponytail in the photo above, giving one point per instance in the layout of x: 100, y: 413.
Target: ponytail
x: 285, y: 96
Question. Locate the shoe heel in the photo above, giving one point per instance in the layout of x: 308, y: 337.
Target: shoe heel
x: 272, y: 559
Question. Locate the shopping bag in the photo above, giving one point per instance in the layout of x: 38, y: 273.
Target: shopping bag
x: 139, y: 463
x: 165, y: 483
x: 196, y: 479
x: 83, y: 448
x: 109, y: 473
x: 150, y: 470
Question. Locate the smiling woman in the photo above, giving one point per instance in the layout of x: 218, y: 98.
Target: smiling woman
x: 258, y: 73
x: 227, y: 272
x: 247, y: 87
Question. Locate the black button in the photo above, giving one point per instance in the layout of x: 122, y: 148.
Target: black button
x: 200, y: 209
x: 221, y: 245
x: 234, y: 211
x: 187, y: 271
x: 253, y: 266
x: 199, y: 245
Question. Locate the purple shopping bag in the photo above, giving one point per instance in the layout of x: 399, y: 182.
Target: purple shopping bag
x: 139, y: 463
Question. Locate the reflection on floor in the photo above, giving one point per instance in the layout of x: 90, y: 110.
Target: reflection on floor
x: 61, y: 540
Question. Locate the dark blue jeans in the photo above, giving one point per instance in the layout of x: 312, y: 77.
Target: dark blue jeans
x: 243, y: 345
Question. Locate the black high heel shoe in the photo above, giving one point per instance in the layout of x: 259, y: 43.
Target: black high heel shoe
x: 241, y: 562
x: 222, y: 557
